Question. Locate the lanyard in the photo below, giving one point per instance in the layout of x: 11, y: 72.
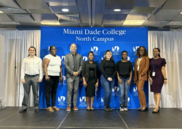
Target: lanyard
x: 153, y: 64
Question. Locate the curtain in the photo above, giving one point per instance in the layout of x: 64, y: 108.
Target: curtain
x: 170, y: 44
x: 16, y: 44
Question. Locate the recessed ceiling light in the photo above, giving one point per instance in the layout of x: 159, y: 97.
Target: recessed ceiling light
x: 133, y: 22
x: 65, y: 10
x: 50, y: 23
x: 181, y: 13
x: 1, y: 11
x: 117, y: 10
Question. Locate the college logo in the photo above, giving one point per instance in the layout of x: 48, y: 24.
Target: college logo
x: 83, y: 101
x: 64, y: 80
x: 128, y: 58
x: 135, y: 91
x: 62, y: 100
x: 95, y: 50
x: 129, y: 101
x: 102, y: 101
x: 115, y: 91
x: 115, y: 50
x: 135, y: 50
x: 85, y: 58
x: 62, y: 59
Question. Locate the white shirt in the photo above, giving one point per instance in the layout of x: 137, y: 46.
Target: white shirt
x: 31, y: 66
x: 138, y: 63
x: 53, y: 68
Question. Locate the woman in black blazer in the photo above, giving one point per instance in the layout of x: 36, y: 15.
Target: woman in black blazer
x: 90, y: 74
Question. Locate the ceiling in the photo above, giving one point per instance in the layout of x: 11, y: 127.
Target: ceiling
x: 160, y: 14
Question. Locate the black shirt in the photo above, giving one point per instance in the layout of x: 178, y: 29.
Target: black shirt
x: 124, y: 68
x: 74, y: 60
x: 108, y: 68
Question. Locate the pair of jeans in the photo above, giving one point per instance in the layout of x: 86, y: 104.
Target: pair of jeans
x: 123, y: 91
x: 107, y: 85
x: 51, y: 89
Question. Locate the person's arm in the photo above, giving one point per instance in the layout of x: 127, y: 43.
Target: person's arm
x: 164, y: 71
x: 102, y: 69
x: 40, y: 71
x: 84, y: 74
x: 97, y: 70
x: 23, y: 71
x: 66, y: 62
x: 135, y: 72
x: 80, y: 68
x: 146, y: 68
x: 61, y: 74
x: 115, y: 71
x: 45, y: 65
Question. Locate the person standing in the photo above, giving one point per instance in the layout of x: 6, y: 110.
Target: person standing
x: 31, y: 75
x: 108, y: 70
x: 124, y: 74
x: 157, y: 77
x: 53, y: 74
x: 140, y: 75
x: 90, y: 73
x: 73, y: 65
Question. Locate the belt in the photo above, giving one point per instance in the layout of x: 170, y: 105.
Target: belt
x: 31, y: 75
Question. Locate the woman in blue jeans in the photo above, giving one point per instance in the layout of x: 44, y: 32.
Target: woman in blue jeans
x: 108, y: 70
x: 124, y: 74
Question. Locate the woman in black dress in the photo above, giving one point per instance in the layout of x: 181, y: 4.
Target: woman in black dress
x: 90, y: 74
x: 157, y: 76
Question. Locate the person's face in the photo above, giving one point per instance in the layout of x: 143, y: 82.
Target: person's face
x: 73, y: 48
x: 53, y: 51
x: 31, y: 52
x: 155, y: 52
x: 124, y: 55
x: 91, y: 57
x: 108, y: 55
x: 141, y: 51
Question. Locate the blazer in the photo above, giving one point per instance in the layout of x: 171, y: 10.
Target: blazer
x: 85, y: 71
x: 144, y: 66
x: 69, y: 64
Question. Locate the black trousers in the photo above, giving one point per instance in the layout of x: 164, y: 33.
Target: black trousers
x: 51, y: 89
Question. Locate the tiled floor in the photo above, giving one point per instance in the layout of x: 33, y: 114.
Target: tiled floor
x: 167, y: 119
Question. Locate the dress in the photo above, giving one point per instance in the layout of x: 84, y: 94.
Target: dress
x: 90, y: 89
x: 158, y: 80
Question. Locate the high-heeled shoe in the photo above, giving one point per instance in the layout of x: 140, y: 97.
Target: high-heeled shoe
x: 143, y: 110
x: 139, y: 109
x: 156, y: 111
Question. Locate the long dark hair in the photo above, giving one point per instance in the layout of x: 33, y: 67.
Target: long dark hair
x: 34, y: 49
x: 122, y: 53
x: 138, y: 51
x: 158, y: 51
x: 105, y: 55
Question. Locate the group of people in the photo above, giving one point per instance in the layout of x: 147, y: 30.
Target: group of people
x: 144, y: 69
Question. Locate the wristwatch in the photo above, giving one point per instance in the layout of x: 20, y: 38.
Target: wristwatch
x: 165, y: 78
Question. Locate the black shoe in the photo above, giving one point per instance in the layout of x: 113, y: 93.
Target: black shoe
x: 106, y: 109
x: 156, y: 111
x: 110, y: 109
x: 139, y: 109
x: 143, y: 110
x: 37, y: 110
x: 23, y: 110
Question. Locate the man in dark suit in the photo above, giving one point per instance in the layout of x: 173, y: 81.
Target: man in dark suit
x: 73, y: 65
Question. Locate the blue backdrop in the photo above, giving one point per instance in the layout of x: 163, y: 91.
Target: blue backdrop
x: 97, y: 40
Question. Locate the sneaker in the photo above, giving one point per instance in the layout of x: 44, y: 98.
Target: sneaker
x: 37, y: 110
x: 68, y: 109
x: 49, y: 109
x: 55, y: 108
x: 125, y: 108
x: 121, y: 108
x: 75, y: 108
x: 106, y: 109
x: 23, y: 110
x: 110, y: 109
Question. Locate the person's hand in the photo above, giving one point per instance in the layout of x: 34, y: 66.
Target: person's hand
x: 165, y: 82
x: 139, y: 78
x: 109, y: 79
x: 120, y: 81
x: 23, y: 80
x: 128, y: 82
x: 75, y: 73
x: 97, y: 84
x: 151, y: 81
x: 85, y: 83
x: 39, y: 80
x: 47, y: 78
x: 61, y: 79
